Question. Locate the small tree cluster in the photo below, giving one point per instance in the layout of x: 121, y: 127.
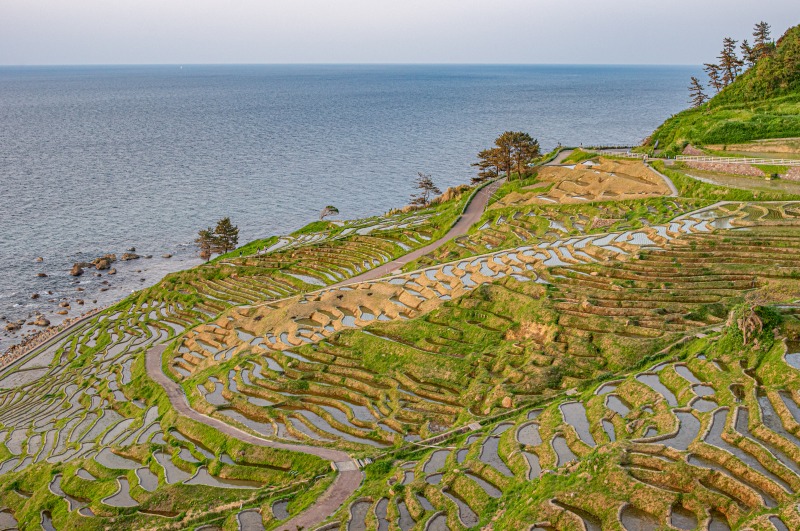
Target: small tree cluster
x: 427, y: 190
x: 730, y: 65
x: 513, y: 151
x: 329, y: 210
x: 219, y: 240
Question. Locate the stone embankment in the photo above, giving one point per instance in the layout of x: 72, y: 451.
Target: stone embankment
x: 749, y: 170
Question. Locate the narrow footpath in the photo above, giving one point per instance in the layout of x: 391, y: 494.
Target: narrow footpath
x: 348, y: 477
x: 468, y: 218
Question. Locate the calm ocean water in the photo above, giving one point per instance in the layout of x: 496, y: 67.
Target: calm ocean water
x: 94, y: 160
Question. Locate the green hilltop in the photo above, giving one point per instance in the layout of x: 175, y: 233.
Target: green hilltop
x: 761, y: 103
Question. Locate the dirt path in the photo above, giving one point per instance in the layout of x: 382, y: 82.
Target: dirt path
x: 347, y: 480
x: 471, y: 215
x: 667, y: 180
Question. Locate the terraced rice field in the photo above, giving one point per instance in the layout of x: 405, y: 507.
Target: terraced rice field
x: 618, y: 365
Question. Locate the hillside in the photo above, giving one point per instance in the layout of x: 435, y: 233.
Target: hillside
x: 762, y: 103
x: 572, y: 360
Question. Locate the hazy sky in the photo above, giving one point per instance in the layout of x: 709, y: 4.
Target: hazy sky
x: 378, y: 31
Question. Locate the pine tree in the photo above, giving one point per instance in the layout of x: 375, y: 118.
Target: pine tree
x: 525, y: 148
x: 329, y: 210
x: 748, y: 53
x: 505, y: 148
x: 698, y: 97
x: 729, y: 62
x: 713, y: 76
x: 227, y: 235
x: 206, y: 241
x: 762, y: 45
x: 426, y: 188
x: 487, y: 165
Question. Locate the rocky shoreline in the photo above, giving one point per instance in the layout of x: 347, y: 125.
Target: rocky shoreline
x: 35, y: 339
x: 79, y: 286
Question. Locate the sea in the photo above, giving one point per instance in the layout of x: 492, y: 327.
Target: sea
x: 101, y: 159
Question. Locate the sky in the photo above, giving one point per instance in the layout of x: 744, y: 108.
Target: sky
x: 56, y: 32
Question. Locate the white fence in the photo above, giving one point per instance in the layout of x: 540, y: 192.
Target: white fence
x: 738, y: 160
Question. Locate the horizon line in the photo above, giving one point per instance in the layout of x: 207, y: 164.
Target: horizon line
x: 34, y: 65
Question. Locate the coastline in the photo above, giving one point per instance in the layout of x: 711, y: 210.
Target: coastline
x: 134, y: 278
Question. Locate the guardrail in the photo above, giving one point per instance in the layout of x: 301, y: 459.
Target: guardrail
x: 739, y: 160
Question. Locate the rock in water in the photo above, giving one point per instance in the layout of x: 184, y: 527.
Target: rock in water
x: 112, y: 271
x: 129, y: 256
x: 41, y: 275
x: 41, y: 321
x: 76, y: 270
x: 131, y: 250
x: 167, y: 255
x: 102, y: 263
x: 39, y: 259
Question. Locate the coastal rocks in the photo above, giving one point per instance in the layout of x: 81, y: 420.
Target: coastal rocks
x: 166, y: 255
x: 129, y: 256
x: 62, y: 312
x: 112, y: 271
x: 76, y: 270
x: 104, y: 262
x: 41, y: 321
x: 39, y: 259
x: 64, y: 304
x: 131, y: 249
x: 41, y: 275
x: 13, y: 327
x: 34, y: 296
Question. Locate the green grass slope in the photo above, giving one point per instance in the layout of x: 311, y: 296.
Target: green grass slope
x: 763, y: 102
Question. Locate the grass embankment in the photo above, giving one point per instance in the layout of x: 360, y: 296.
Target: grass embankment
x: 763, y: 103
x: 579, y: 155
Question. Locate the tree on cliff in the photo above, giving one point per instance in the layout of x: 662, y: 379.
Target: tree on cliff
x: 226, y: 235
x: 524, y: 148
x: 729, y: 62
x: 698, y: 97
x: 329, y: 210
x: 762, y: 45
x: 206, y: 242
x: 713, y: 76
x: 513, y: 150
x: 748, y: 53
x: 426, y: 188
x: 488, y: 165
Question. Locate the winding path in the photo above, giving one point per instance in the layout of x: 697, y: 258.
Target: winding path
x: 347, y: 480
x: 468, y: 218
x: 349, y: 477
x: 672, y: 188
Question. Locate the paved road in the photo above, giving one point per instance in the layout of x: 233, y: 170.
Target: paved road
x: 673, y: 189
x: 347, y: 480
x: 564, y: 153
x: 471, y: 215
